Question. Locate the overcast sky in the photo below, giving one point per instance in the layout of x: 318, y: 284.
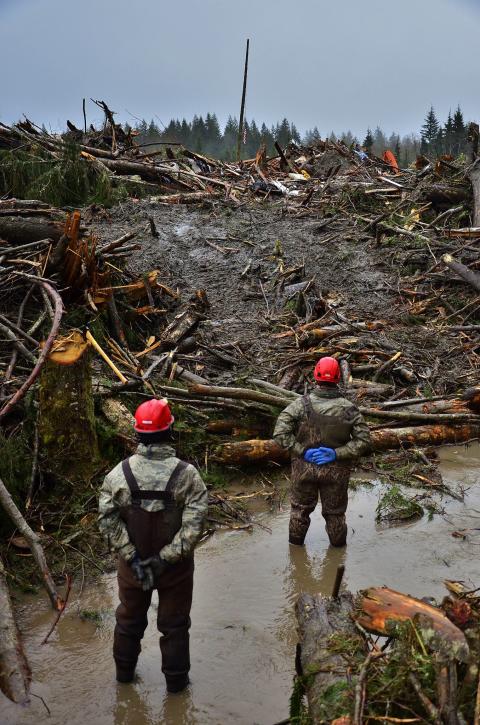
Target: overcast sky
x: 337, y: 64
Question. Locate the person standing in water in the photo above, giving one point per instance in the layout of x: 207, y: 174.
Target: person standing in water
x: 324, y: 433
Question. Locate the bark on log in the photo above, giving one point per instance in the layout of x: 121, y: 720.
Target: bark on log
x: 147, y: 172
x: 411, y: 415
x: 14, y: 669
x: 318, y: 619
x: 257, y: 451
x: 464, y: 272
x: 239, y: 393
x: 455, y: 406
x: 38, y: 554
x: 23, y: 230
x: 253, y: 451
x: 67, y: 419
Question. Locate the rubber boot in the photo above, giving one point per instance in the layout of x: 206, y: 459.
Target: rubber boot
x: 177, y: 683
x: 124, y: 675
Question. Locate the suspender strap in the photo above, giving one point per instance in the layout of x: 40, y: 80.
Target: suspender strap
x: 141, y: 495
x: 135, y: 491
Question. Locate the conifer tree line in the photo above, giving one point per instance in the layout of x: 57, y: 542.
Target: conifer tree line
x: 205, y: 136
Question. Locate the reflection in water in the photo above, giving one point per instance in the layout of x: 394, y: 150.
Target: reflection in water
x: 314, y: 574
x: 131, y: 707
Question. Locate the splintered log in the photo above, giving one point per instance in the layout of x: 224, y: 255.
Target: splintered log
x: 464, y: 272
x: 379, y: 609
x: 319, y: 618
x: 14, y: 669
x: 33, y: 539
x: 256, y: 451
x: 24, y: 230
x: 183, y: 324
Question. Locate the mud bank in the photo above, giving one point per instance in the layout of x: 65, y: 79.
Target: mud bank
x: 243, y: 634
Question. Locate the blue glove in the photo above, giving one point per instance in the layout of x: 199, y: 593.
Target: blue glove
x: 309, y: 454
x: 321, y: 456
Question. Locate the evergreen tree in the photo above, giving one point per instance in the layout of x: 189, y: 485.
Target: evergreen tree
x: 347, y: 138
x: 267, y: 138
x: 379, y: 142
x: 430, y: 131
x: 368, y: 140
x: 448, y: 134
x: 153, y: 133
x: 283, y: 133
x: 213, y: 135
x: 230, y: 135
x: 459, y: 133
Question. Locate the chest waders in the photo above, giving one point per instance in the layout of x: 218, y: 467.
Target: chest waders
x: 150, y: 531
x: 330, y: 480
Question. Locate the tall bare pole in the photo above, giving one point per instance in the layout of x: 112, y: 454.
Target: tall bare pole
x: 242, y: 107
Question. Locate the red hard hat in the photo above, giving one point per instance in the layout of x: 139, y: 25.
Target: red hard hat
x: 327, y: 370
x: 153, y: 416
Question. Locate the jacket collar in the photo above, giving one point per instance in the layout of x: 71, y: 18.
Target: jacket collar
x: 156, y: 451
x: 323, y: 392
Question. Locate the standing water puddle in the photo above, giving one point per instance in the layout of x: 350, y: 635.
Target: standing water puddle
x: 243, y: 635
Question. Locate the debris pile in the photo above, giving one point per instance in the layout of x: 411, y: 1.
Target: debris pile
x: 388, y: 657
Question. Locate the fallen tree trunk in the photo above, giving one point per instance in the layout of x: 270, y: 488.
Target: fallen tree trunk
x: 411, y: 415
x: 33, y: 539
x: 464, y: 272
x: 23, y: 230
x: 147, y: 172
x: 239, y: 393
x: 324, y: 669
x: 192, y: 197
x: 14, y: 669
x: 256, y: 451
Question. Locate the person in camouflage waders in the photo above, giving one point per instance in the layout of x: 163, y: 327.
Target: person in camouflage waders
x: 324, y: 433
x: 151, y: 510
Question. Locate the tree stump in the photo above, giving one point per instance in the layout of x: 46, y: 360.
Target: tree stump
x: 68, y: 438
x: 324, y: 671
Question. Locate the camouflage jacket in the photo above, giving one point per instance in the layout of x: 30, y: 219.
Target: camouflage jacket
x: 152, y: 466
x: 330, y: 403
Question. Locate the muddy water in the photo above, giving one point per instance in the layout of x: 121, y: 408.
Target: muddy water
x: 243, y: 634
